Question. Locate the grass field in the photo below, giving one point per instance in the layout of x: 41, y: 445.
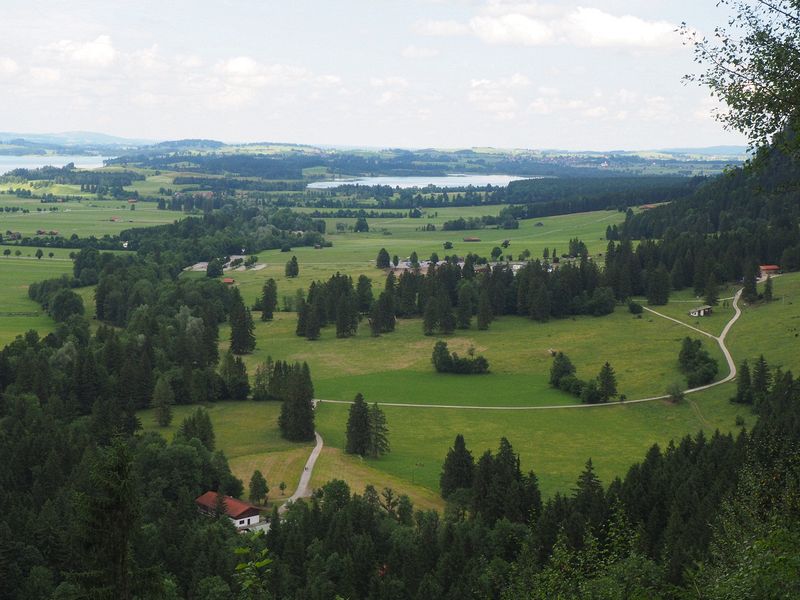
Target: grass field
x: 85, y: 218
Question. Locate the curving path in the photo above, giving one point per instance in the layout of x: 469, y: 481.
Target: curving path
x: 303, y: 487
x: 720, y: 340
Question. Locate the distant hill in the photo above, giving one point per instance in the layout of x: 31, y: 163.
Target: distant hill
x: 709, y: 151
x: 73, y: 138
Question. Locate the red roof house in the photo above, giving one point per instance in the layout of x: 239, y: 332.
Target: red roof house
x: 769, y: 268
x: 241, y: 513
x: 229, y: 280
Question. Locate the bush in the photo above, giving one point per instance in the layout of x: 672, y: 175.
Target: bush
x: 444, y: 362
x: 635, y: 308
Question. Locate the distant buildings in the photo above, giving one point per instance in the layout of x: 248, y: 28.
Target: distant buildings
x: 769, y: 270
x: 701, y: 311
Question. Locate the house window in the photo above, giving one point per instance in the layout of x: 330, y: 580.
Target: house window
x: 241, y: 522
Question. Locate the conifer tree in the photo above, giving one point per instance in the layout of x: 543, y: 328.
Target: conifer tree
x: 744, y: 391
x: 296, y: 420
x: 430, y: 318
x: 243, y: 340
x: 749, y: 291
x: 358, y: 427
x: 198, y: 425
x: 447, y: 318
x: 292, y: 268
x: 313, y: 320
x: 464, y: 308
x: 302, y: 318
x: 163, y: 398
x: 364, y: 293
x: 761, y: 378
x: 383, y: 261
x: 258, y: 488
x: 658, y: 285
x: 484, y: 310
x: 378, y: 432
x: 261, y: 381
x: 711, y: 292
x: 562, y: 367
x: 607, y: 383
x: 269, y: 299
x: 768, y: 289
x: 346, y: 316
x: 540, y: 302
x: 458, y: 468
x: 234, y: 376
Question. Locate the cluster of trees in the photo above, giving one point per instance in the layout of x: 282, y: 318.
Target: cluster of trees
x: 271, y: 381
x: 752, y: 386
x: 696, y: 363
x: 296, y: 420
x: 367, y: 432
x: 445, y: 362
x: 504, y: 221
x: 334, y: 301
x: 595, y: 391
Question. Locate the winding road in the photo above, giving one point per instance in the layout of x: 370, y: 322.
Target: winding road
x: 304, y: 489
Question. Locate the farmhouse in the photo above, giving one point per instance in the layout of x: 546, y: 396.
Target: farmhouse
x: 769, y: 270
x: 701, y: 311
x: 241, y: 513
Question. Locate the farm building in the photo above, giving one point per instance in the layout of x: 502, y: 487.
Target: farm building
x: 229, y: 280
x: 472, y: 239
x: 701, y: 311
x: 241, y: 513
x: 769, y: 270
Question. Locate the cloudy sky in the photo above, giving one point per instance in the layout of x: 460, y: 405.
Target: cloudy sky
x: 592, y: 74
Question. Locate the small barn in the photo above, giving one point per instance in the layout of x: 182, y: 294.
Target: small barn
x: 701, y: 311
x: 472, y: 239
x: 241, y: 513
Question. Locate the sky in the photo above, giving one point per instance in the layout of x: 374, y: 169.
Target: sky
x: 587, y: 75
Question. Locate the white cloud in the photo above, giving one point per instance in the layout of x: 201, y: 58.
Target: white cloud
x: 441, y: 28
x: 44, y: 75
x: 8, y: 66
x: 391, y: 81
x: 419, y: 52
x: 99, y: 52
x: 595, y: 28
x: 533, y: 24
x: 513, y: 29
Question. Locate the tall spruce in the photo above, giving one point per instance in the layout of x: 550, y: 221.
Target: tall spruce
x: 296, y: 420
x: 292, y: 268
x: 358, y: 427
x: 364, y: 293
x: 711, y: 291
x: 233, y: 373
x: 269, y: 299
x: 243, y: 339
x: 378, y: 432
x: 768, y: 289
x: 383, y: 261
x: 744, y: 390
x: 607, y: 382
x: 484, y: 310
x: 458, y: 469
x: 464, y: 307
x: 658, y: 284
x: 749, y: 289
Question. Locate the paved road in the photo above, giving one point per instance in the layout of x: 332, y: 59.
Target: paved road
x: 720, y: 340
x: 304, y: 488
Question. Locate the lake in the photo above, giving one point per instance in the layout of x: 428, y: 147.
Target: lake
x: 9, y: 163
x: 449, y: 181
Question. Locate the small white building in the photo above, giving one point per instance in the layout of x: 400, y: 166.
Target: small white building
x: 241, y: 513
x: 701, y: 311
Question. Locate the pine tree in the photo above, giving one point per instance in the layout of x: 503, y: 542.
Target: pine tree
x: 591, y: 393
x: 447, y: 318
x: 430, y: 318
x: 261, y: 381
x: 441, y: 358
x: 313, y: 320
x: 163, y: 398
x: 198, y: 425
x: 562, y: 367
x: 749, y: 291
x: 458, y: 469
x: 711, y: 292
x: 607, y: 383
x: 269, y: 299
x: 484, y: 310
x: 358, y: 427
x: 768, y: 289
x: 302, y: 318
x: 364, y: 293
x: 464, y: 307
x: 539, y: 302
x: 292, y: 268
x: 234, y: 375
x: 243, y: 339
x: 296, y: 420
x: 258, y: 488
x: 658, y: 285
x: 378, y: 432
x: 761, y: 378
x: 346, y: 316
x: 744, y: 391
x: 383, y: 261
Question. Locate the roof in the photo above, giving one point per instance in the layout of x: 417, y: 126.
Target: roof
x: 234, y: 508
x: 228, y: 280
x: 706, y: 307
x: 769, y: 267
